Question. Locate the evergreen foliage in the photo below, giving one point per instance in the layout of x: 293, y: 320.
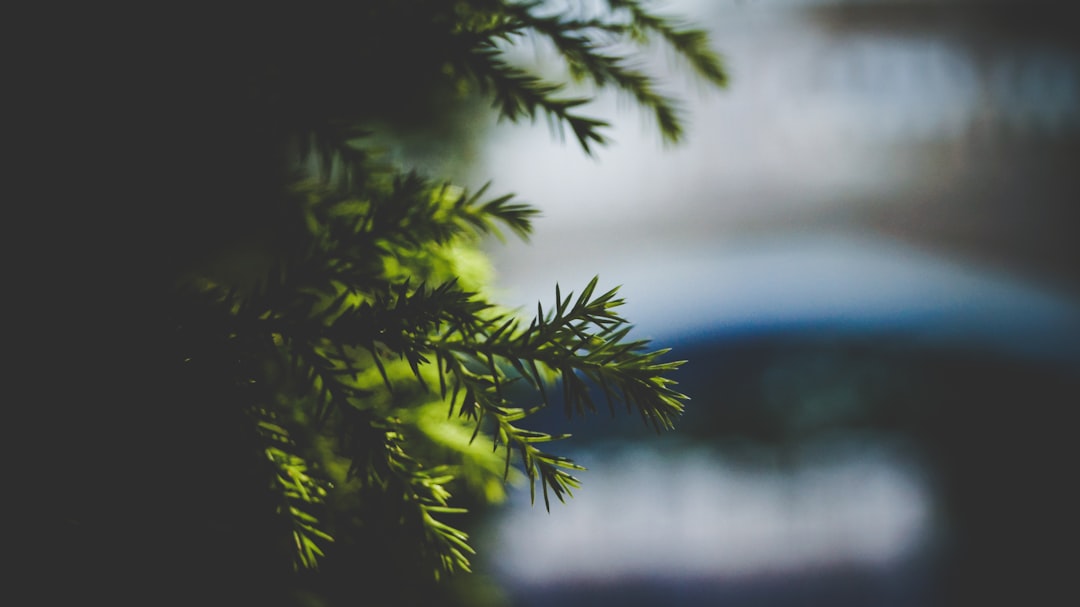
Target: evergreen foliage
x: 315, y: 307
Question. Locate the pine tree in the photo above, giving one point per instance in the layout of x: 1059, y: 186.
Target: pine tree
x: 319, y: 389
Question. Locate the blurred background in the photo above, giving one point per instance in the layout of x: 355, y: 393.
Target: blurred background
x: 866, y: 249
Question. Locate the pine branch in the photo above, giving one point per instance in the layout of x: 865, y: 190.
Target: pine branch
x: 578, y: 342
x: 691, y: 43
x: 352, y: 321
x: 519, y: 94
x: 577, y: 42
x: 406, y: 210
x: 300, y: 491
x: 584, y: 339
x: 581, y: 43
x: 425, y: 492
